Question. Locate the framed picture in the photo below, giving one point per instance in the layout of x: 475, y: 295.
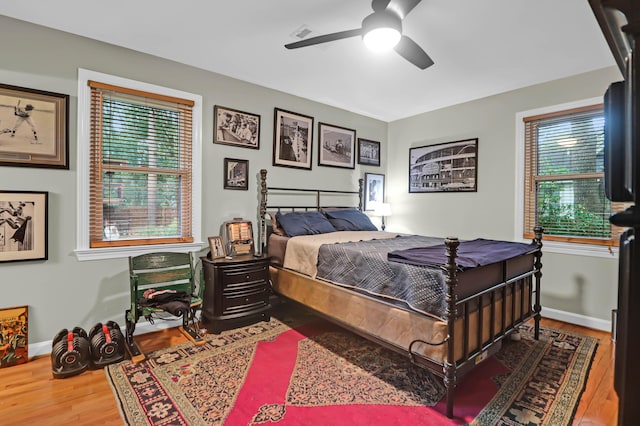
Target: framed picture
x: 236, y: 128
x: 216, y: 247
x: 373, y: 190
x: 336, y: 147
x: 33, y: 128
x: 368, y: 152
x: 236, y: 174
x: 14, y: 336
x: 444, y: 167
x: 23, y: 225
x: 292, y: 139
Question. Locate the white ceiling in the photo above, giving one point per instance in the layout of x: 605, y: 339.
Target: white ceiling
x: 480, y: 47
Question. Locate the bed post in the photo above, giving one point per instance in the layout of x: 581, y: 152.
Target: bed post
x: 360, y: 193
x: 538, y: 231
x: 451, y: 279
x: 263, y: 209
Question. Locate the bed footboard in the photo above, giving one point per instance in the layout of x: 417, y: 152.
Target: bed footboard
x: 477, y: 323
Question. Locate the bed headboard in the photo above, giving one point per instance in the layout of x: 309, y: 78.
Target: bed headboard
x: 317, y: 195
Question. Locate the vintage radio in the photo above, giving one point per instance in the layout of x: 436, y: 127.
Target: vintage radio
x: 237, y: 236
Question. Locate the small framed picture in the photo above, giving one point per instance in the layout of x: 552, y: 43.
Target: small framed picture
x: 373, y: 190
x: 236, y: 174
x: 236, y: 128
x: 23, y: 225
x: 336, y: 147
x: 14, y: 336
x: 292, y: 139
x: 216, y: 247
x: 368, y: 152
x: 33, y: 128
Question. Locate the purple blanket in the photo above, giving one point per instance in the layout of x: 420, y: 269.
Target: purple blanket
x: 471, y: 254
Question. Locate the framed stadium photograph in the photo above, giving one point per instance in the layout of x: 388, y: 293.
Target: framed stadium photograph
x: 236, y: 174
x: 444, y: 167
x: 237, y: 128
x: 23, y: 225
x: 33, y: 128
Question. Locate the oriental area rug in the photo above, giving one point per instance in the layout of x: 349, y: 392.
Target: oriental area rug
x: 293, y: 371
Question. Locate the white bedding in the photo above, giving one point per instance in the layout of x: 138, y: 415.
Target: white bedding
x: 302, y: 251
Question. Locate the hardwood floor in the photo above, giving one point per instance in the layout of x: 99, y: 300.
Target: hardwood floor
x: 29, y: 395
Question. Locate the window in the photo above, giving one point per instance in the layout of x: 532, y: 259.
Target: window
x: 563, y: 156
x: 138, y: 143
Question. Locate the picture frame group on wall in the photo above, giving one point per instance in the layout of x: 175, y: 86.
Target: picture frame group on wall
x: 444, y: 167
x: 292, y: 139
x: 33, y: 128
x: 237, y: 128
x: 336, y: 146
x: 373, y: 190
x: 368, y: 152
x: 236, y: 174
x: 23, y: 225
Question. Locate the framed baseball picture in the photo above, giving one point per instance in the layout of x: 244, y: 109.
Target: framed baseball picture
x: 237, y: 128
x: 336, y: 146
x: 292, y: 139
x: 33, y: 128
x: 368, y: 152
x: 236, y: 174
x: 23, y: 225
x: 373, y: 190
x: 14, y: 336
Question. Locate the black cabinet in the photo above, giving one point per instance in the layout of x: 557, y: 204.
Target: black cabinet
x: 236, y: 292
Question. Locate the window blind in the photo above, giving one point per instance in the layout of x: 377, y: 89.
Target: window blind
x: 564, y: 177
x: 140, y: 167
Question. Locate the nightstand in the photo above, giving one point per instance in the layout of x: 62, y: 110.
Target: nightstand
x: 236, y: 292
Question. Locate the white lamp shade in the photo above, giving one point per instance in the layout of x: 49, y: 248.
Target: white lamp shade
x: 382, y: 209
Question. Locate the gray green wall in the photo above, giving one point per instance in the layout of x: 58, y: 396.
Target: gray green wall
x: 63, y: 292
x: 586, y: 286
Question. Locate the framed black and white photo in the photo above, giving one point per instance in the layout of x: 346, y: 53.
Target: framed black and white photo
x: 444, y: 167
x: 292, y: 139
x: 216, y: 247
x: 336, y: 147
x: 368, y: 152
x: 236, y: 174
x: 23, y: 225
x: 373, y: 190
x: 33, y: 128
x: 237, y: 128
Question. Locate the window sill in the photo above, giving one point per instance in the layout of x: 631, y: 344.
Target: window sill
x: 119, y: 252
x: 577, y: 249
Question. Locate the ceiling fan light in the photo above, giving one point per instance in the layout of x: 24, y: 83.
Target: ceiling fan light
x: 381, y: 39
x: 381, y: 31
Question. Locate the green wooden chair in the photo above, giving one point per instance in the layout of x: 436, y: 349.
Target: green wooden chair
x: 158, y: 272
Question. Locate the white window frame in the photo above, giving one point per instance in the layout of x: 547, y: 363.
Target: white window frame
x: 83, y: 250
x: 550, y: 246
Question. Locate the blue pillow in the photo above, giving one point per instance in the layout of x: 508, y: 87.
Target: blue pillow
x: 350, y: 220
x: 304, y: 223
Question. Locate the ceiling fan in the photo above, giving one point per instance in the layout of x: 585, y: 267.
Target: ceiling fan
x: 381, y: 30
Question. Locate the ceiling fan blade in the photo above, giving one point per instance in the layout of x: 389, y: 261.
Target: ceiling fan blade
x: 413, y: 53
x: 378, y: 5
x: 324, y: 38
x: 403, y: 7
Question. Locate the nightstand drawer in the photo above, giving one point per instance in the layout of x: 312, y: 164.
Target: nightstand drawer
x: 248, y: 273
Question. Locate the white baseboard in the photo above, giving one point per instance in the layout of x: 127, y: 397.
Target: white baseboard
x: 44, y: 348
x: 577, y: 319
